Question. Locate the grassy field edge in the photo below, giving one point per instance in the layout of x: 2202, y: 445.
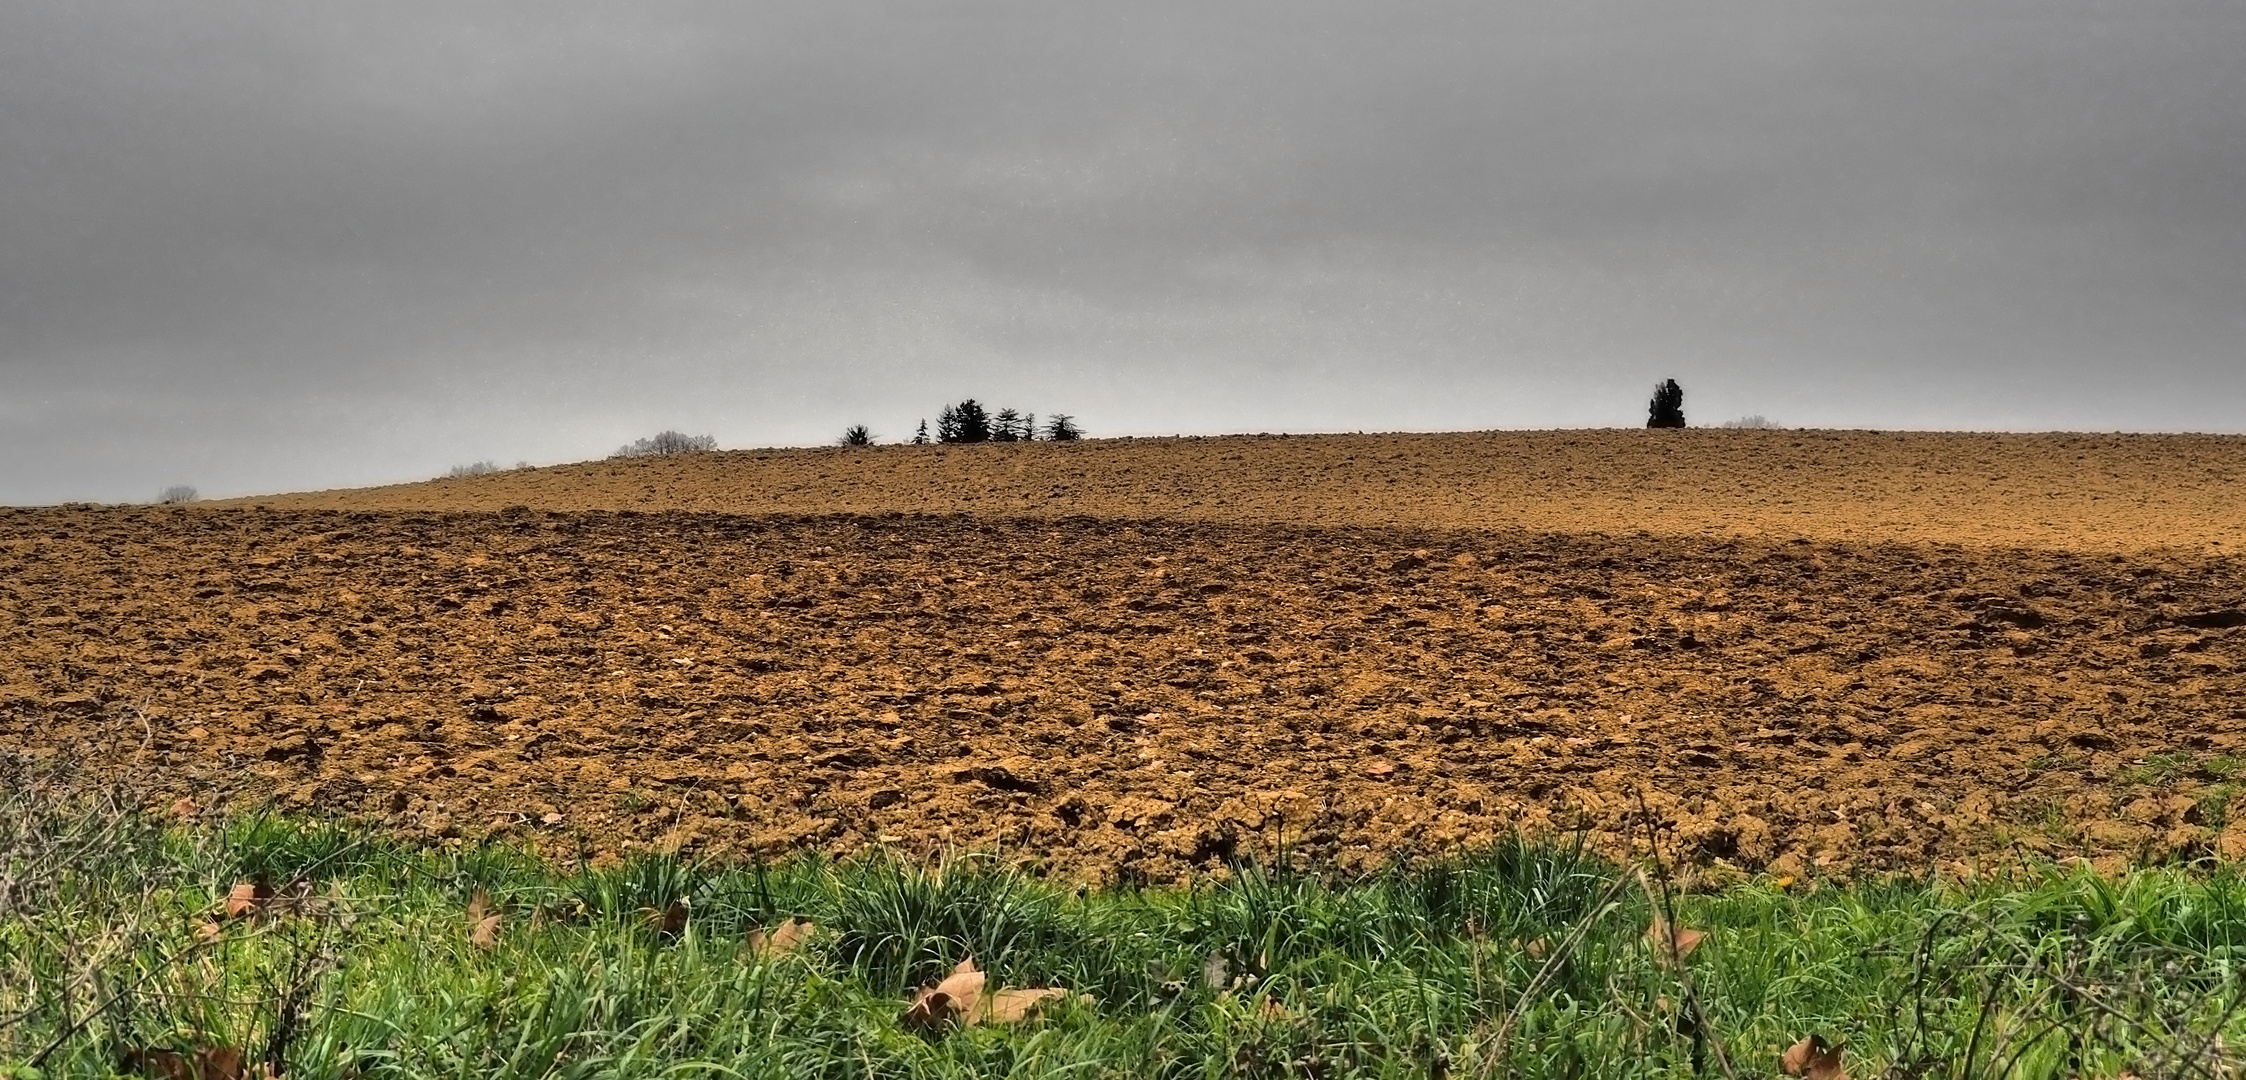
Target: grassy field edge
x: 148, y: 945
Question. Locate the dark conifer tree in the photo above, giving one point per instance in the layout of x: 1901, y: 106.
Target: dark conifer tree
x: 920, y: 437
x: 1667, y: 409
x: 965, y: 422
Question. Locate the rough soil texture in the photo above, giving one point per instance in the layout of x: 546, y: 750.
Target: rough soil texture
x: 2066, y: 491
x: 1814, y: 664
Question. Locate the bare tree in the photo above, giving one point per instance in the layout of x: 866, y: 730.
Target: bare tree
x: 176, y: 495
x: 665, y: 444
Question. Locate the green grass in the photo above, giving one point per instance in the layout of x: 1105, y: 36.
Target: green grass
x: 1526, y: 960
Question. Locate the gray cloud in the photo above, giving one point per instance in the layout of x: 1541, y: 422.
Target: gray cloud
x: 278, y: 246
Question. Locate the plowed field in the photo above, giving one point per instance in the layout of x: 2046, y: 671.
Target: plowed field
x: 1142, y: 658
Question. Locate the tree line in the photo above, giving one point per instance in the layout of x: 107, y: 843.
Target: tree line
x: 970, y: 422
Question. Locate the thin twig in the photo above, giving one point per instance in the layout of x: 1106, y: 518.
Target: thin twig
x: 1551, y: 964
x: 1669, y: 919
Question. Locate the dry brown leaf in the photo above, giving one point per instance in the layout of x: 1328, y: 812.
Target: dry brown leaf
x: 207, y: 1063
x: 209, y: 932
x: 669, y: 922
x: 964, y: 997
x: 483, y: 923
x: 295, y: 898
x: 937, y: 1007
x: 1272, y: 1010
x: 783, y: 939
x: 1813, y: 1058
x: 248, y: 899
x: 1013, y: 1006
x: 1379, y: 768
x: 185, y: 808
x: 1673, y: 945
x: 220, y: 1063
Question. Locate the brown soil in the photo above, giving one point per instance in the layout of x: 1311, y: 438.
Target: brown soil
x: 1837, y: 650
x: 2083, y: 493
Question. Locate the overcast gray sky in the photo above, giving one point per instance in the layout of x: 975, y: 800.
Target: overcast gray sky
x: 272, y: 246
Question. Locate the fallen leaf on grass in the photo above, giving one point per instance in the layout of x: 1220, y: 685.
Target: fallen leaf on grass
x: 1227, y: 971
x: 783, y: 939
x: 669, y: 922
x: 1813, y: 1058
x: 209, y: 932
x: 1673, y: 945
x: 185, y: 808
x: 937, y: 1007
x: 258, y: 899
x: 485, y: 934
x: 248, y: 899
x: 208, y: 1063
x: 483, y: 923
x: 962, y: 998
x: 1013, y: 1006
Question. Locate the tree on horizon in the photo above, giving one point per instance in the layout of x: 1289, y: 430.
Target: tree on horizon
x: 966, y: 422
x: 1667, y: 408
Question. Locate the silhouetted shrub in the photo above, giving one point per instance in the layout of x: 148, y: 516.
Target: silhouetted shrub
x: 857, y: 435
x: 966, y: 422
x: 176, y: 495
x: 1754, y: 423
x: 481, y: 468
x: 666, y: 444
x: 1667, y: 410
x: 1011, y: 425
x: 969, y: 422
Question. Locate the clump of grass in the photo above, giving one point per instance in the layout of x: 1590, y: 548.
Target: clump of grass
x: 366, y: 958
